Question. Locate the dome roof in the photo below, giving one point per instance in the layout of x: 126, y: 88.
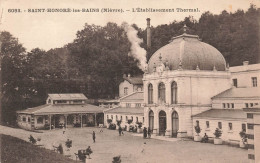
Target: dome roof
x: 188, y: 52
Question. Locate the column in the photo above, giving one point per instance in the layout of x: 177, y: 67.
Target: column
x: 182, y: 132
x: 95, y: 119
x: 146, y: 117
x: 81, y: 120
x: 168, y: 92
x: 169, y: 124
x: 155, y: 93
x: 50, y: 121
x: 156, y: 123
x: 66, y: 123
x: 145, y: 88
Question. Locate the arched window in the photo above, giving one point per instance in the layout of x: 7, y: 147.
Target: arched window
x: 150, y: 94
x: 174, y: 92
x: 161, y: 93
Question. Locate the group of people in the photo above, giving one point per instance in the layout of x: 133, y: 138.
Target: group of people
x: 147, y: 133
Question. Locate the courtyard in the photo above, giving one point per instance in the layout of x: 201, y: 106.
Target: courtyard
x: 109, y: 144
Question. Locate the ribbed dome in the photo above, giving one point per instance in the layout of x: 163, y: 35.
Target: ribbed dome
x: 189, y: 52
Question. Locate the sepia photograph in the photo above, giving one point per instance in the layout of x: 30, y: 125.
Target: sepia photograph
x: 120, y: 81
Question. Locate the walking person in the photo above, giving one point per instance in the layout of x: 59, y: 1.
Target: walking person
x: 149, y: 132
x: 63, y: 128
x: 145, y: 133
x: 94, y: 136
x: 120, y: 130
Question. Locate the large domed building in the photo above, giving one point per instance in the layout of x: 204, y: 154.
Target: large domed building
x: 179, y: 82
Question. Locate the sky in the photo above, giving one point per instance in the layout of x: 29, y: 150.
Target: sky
x: 47, y: 30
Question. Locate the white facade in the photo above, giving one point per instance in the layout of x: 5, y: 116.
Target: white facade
x: 194, y: 91
x: 246, y: 75
x: 228, y: 134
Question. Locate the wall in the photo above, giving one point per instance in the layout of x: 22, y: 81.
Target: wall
x: 39, y: 125
x: 24, y: 124
x: 123, y: 85
x: 124, y: 121
x: 226, y: 133
x: 238, y: 103
x: 243, y: 74
x: 195, y: 89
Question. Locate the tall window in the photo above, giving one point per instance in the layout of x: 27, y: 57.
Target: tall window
x: 125, y: 91
x: 219, y: 125
x: 207, y: 124
x: 224, y: 105
x: 254, y: 81
x: 150, y: 94
x: 230, y: 126
x: 161, y: 94
x: 174, y: 92
x: 235, y: 82
x: 244, y: 127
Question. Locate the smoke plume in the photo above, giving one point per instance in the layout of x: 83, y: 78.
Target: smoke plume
x: 137, y: 52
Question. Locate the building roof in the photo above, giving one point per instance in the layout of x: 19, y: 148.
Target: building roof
x: 222, y: 114
x: 62, y: 109
x: 133, y: 96
x: 134, y: 80
x: 250, y: 92
x: 108, y: 100
x: 189, y: 52
x: 68, y: 96
x: 253, y: 109
x: 126, y: 110
x: 242, y: 68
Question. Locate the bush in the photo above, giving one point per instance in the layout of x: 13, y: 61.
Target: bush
x: 131, y: 128
x: 68, y: 143
x: 118, y: 122
x: 77, y: 125
x: 109, y: 121
x: 112, y: 126
x: 32, y: 140
x: 139, y: 124
x: 243, y: 136
x: 197, y: 129
x: 60, y: 149
x: 116, y: 159
x: 217, y: 133
x: 129, y: 121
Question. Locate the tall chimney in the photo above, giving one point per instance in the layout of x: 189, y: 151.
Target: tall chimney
x: 148, y: 33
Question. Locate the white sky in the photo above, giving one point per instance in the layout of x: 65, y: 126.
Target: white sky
x: 51, y: 30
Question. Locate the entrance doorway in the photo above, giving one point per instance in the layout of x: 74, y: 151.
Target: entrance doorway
x: 162, y: 123
x: 151, y: 120
x: 175, y: 124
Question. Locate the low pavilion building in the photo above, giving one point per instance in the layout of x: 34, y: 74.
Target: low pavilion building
x: 68, y: 110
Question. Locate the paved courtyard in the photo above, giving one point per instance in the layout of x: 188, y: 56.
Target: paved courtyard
x: 109, y: 144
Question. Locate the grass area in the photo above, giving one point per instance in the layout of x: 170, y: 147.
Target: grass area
x: 20, y: 151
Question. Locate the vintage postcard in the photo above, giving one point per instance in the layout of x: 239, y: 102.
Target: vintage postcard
x: 139, y: 81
